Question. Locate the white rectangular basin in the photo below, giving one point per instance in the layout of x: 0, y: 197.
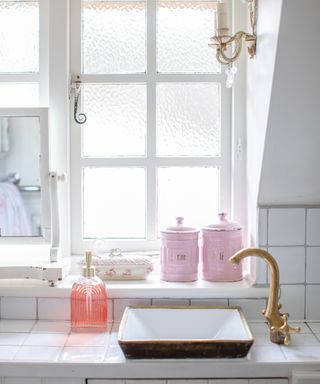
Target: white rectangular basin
x: 184, y: 332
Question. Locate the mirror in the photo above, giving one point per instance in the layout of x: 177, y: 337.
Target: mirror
x: 23, y: 177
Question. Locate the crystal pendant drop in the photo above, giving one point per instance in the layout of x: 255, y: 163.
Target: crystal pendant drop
x: 231, y: 71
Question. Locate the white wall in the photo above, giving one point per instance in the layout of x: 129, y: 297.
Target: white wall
x: 259, y: 88
x: 291, y: 162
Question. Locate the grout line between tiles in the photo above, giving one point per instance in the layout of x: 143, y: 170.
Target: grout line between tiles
x: 281, y: 206
x: 288, y: 246
x: 37, y: 308
x: 305, y: 264
x: 267, y: 244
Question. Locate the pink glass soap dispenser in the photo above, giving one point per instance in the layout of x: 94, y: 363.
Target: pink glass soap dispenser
x: 88, y: 300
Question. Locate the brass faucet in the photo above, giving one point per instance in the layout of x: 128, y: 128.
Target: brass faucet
x: 278, y: 323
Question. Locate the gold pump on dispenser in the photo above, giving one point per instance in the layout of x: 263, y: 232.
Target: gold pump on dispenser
x: 88, y: 270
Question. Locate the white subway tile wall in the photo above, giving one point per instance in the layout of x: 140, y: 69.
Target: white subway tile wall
x: 53, y: 309
x: 261, y: 271
x: 146, y: 381
x: 291, y: 235
x: 251, y: 307
x: 22, y: 380
x: 313, y: 265
x: 119, y: 305
x: 291, y: 262
x: 286, y: 226
x: 210, y: 302
x: 231, y: 381
x: 268, y: 381
x: 313, y: 226
x: 263, y: 227
x: 18, y: 308
x: 64, y: 380
x: 313, y: 302
x: 187, y: 381
x: 174, y: 302
x: 293, y: 238
x: 292, y: 299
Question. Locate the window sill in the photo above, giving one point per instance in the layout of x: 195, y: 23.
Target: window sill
x: 153, y: 287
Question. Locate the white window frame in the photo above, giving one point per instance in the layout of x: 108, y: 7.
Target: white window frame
x: 42, y: 115
x: 40, y: 77
x: 58, y: 59
x: 39, y: 110
x: 151, y: 77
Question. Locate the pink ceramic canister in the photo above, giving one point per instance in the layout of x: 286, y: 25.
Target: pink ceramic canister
x: 220, y: 242
x: 179, y: 253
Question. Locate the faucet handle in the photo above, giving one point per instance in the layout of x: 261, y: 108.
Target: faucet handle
x: 285, y: 329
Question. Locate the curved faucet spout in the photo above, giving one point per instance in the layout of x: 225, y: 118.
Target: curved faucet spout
x: 278, y: 322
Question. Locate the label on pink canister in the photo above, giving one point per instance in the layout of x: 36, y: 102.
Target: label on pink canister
x: 218, y: 247
x: 179, y: 264
x: 179, y: 253
x: 178, y: 257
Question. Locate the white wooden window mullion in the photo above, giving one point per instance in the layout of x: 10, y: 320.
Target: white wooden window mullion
x: 19, y: 77
x: 225, y: 169
x: 43, y: 75
x: 76, y: 168
x: 151, y: 118
x: 159, y: 77
x: 155, y: 162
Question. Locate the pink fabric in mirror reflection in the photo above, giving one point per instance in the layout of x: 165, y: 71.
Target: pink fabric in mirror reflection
x: 13, y: 217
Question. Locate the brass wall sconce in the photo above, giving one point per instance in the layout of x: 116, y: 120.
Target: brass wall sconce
x: 228, y: 47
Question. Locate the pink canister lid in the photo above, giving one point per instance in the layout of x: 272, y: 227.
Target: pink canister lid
x: 223, y: 225
x: 180, y: 229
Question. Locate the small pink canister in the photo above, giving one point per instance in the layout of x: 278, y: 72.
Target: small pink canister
x: 220, y: 242
x: 179, y: 253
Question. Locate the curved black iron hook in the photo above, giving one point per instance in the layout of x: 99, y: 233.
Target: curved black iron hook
x: 79, y: 118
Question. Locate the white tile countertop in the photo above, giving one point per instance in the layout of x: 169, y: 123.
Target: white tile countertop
x: 55, y: 351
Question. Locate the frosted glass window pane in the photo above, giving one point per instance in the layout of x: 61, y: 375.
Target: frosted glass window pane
x: 113, y: 36
x: 19, y: 36
x: 19, y: 94
x: 114, y: 202
x: 116, y: 124
x: 188, y: 119
x: 183, y: 33
x: 190, y: 192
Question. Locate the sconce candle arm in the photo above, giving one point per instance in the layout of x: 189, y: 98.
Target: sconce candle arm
x: 221, y: 47
x: 221, y: 41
